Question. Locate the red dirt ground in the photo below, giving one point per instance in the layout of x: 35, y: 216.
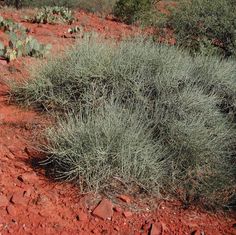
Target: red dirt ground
x: 31, y: 204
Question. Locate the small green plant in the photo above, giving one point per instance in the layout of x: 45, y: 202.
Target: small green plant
x: 53, y: 15
x: 204, y: 26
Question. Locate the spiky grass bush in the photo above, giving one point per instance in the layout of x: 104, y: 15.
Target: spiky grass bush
x: 108, y: 144
x: 143, y: 113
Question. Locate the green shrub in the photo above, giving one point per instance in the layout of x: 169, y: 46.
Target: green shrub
x: 131, y: 10
x: 204, y: 25
x: 144, y: 114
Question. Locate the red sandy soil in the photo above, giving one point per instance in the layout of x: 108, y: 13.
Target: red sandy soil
x: 32, y: 204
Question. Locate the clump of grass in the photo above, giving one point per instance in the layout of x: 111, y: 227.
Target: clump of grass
x: 110, y: 143
x: 144, y: 113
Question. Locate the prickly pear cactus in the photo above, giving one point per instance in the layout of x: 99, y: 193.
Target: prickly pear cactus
x: 8, y: 25
x: 20, y: 44
x: 2, y: 49
x: 10, y: 54
x: 53, y: 15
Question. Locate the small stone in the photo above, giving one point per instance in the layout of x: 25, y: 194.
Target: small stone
x: 42, y: 200
x: 127, y: 214
x: 3, y: 61
x: 18, y: 199
x: 125, y: 198
x: 118, y: 209
x: 27, y: 177
x: 30, y: 151
x: 146, y: 226
x: 3, y: 201
x: 196, y: 232
x: 46, y: 212
x: 95, y: 231
x: 109, y: 17
x: 104, y: 232
x: 27, y: 193
x: 156, y: 229
x: 104, y: 210
x: 11, y: 210
x: 82, y: 216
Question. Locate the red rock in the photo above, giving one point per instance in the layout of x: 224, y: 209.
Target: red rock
x: 42, y: 200
x: 118, y: 209
x: 146, y: 226
x: 125, y: 198
x: 27, y: 193
x: 104, y: 232
x: 164, y: 227
x: 11, y: 210
x: 95, y: 231
x: 14, y: 150
x: 127, y: 214
x: 156, y: 229
x: 46, y: 212
x: 104, y: 210
x: 3, y: 61
x: 27, y: 177
x: 109, y: 17
x: 82, y: 216
x: 18, y: 199
x: 196, y: 232
x: 3, y: 201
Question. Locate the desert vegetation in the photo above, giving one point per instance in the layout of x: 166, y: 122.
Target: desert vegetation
x: 53, y: 15
x: 203, y: 26
x: 155, y: 118
x: 127, y: 126
x: 146, y: 114
x: 20, y: 43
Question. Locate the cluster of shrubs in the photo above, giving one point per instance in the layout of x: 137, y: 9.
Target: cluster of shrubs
x: 144, y: 116
x: 147, y: 115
